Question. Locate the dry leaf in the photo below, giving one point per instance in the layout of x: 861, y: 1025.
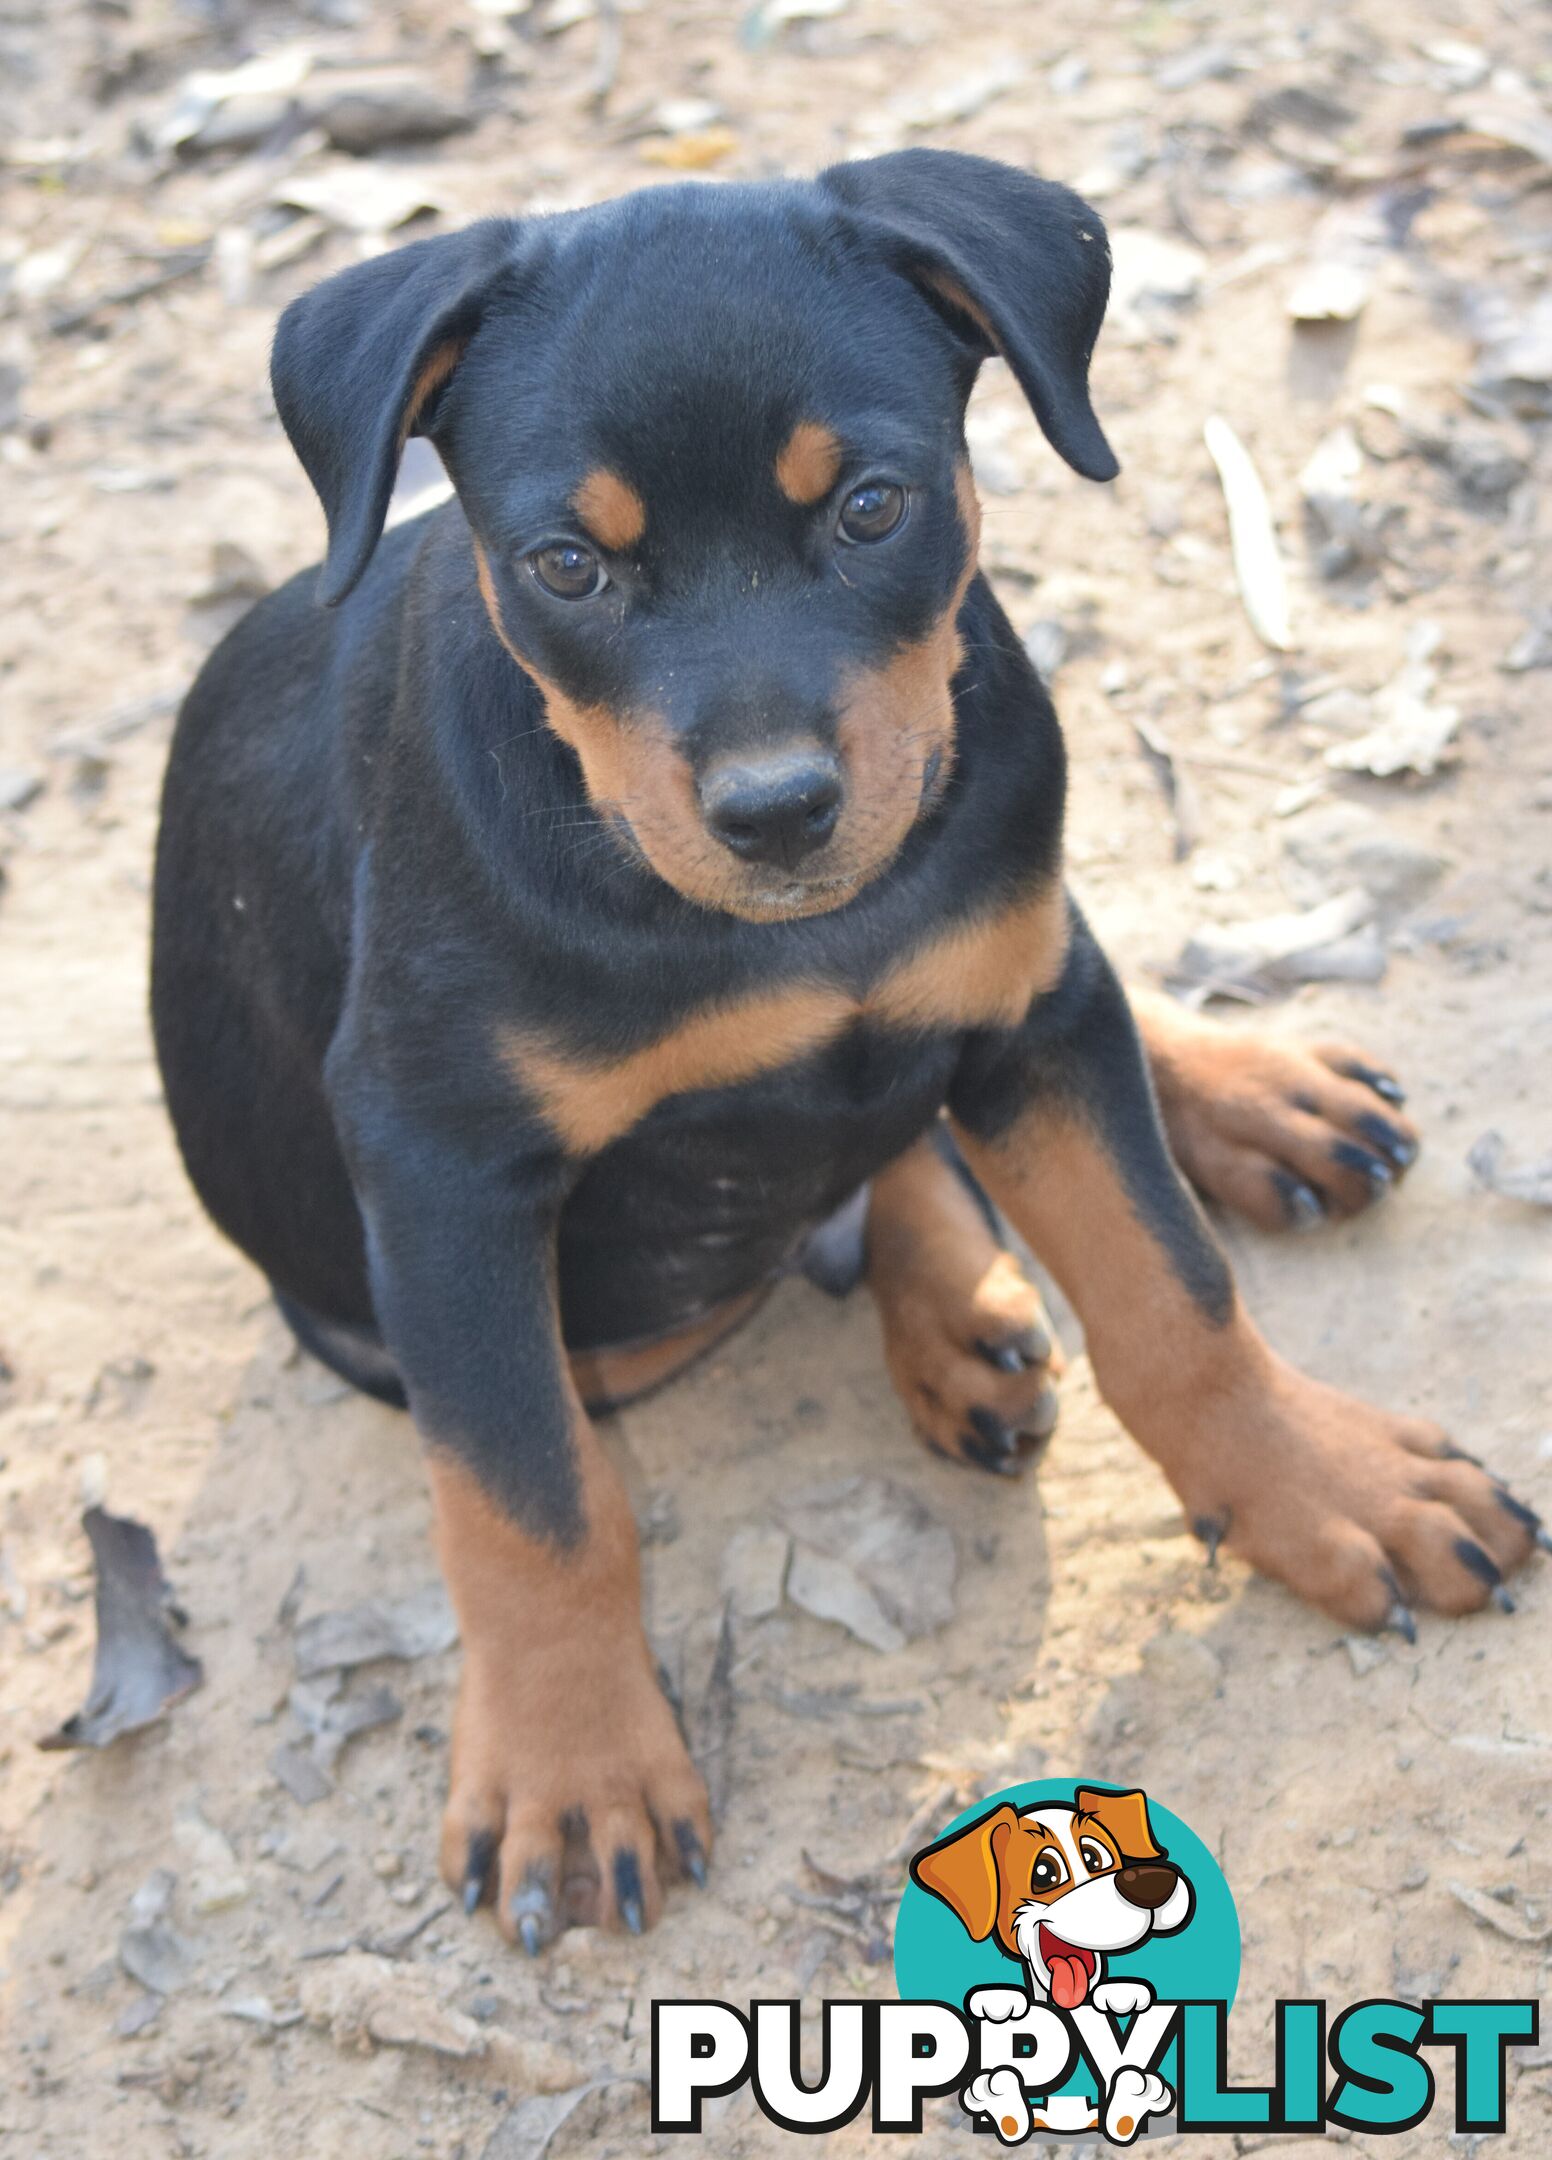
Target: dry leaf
x: 139, y: 1670
x: 1494, y: 1913
x: 1532, y: 1182
x: 692, y: 153
x: 1257, y: 564
x: 1415, y: 734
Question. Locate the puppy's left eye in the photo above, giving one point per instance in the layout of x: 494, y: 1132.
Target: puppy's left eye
x: 567, y: 571
x: 1095, y: 1857
x: 872, y: 512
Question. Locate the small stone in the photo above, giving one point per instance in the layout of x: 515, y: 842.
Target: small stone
x: 362, y: 113
x: 385, y: 1865
x: 141, y: 2015
x: 1179, y: 1660
x: 1363, y: 1654
x: 19, y: 787
x: 215, y: 1883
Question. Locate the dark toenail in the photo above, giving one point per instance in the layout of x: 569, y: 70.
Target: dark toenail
x: 1389, y: 1089
x: 1449, y: 1452
x: 986, y: 1457
x: 1383, y: 1135
x: 476, y: 1867
x: 533, y: 1912
x: 627, y: 1891
x: 1503, y: 1601
x: 1034, y: 1345
x: 692, y: 1854
x: 1525, y: 1516
x: 1040, y: 1423
x: 1399, y: 1621
x: 1002, y: 1355
x: 1302, y: 1205
x: 1353, y: 1157
x: 1212, y: 1530
x: 990, y: 1428
x: 1482, y: 1565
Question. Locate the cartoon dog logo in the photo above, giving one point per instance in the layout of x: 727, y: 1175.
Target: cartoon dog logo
x: 1063, y: 1889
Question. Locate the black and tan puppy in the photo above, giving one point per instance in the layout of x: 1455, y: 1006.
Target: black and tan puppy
x: 663, y: 841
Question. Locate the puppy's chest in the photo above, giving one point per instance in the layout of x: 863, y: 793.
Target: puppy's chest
x: 817, y: 1036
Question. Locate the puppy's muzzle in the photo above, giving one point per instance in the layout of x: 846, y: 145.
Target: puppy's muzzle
x: 1148, y: 1886
x: 775, y: 810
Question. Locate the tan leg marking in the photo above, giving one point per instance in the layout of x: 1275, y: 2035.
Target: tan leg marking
x: 565, y: 1752
x: 1257, y: 1125
x: 966, y: 1338
x: 1337, y: 1499
x: 611, y: 509
x: 808, y: 463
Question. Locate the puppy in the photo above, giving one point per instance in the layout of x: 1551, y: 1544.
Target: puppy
x: 656, y: 850
x: 1063, y: 1890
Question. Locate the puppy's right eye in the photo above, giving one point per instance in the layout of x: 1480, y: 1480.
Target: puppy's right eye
x: 1047, y: 1872
x: 567, y: 571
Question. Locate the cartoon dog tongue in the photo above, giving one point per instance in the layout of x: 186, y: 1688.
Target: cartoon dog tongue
x: 1069, y: 1970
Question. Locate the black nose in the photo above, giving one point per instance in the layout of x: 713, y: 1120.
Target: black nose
x: 776, y: 811
x: 1146, y: 1886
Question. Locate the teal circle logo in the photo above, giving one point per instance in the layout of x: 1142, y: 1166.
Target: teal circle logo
x: 1067, y: 1891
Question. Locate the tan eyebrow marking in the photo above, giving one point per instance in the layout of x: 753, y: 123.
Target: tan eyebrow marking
x: 610, y: 508
x: 808, y: 462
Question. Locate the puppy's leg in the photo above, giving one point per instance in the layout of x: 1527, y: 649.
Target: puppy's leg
x: 1362, y: 1512
x: 572, y: 1795
x: 1283, y: 1133
x: 966, y: 1338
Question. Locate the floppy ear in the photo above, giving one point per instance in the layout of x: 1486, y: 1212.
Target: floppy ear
x: 961, y: 1869
x: 1125, y: 1816
x: 357, y: 366
x: 1023, y: 264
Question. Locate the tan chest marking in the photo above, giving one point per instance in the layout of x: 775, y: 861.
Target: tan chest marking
x: 983, y: 973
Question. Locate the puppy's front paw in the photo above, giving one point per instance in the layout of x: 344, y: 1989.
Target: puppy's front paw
x: 997, y: 2004
x: 1122, y: 1998
x: 1363, y: 1513
x: 572, y: 1796
x: 1285, y: 1134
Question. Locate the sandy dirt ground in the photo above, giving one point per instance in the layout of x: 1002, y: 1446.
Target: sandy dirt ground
x: 1351, y: 1790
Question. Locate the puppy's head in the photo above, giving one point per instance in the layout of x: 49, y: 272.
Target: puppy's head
x: 710, y: 444
x: 1060, y: 1886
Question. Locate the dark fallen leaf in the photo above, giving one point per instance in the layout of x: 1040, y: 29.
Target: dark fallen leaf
x: 527, y: 2133
x: 140, y: 1670
x: 420, y: 1624
x: 715, y: 1723
x: 1179, y: 792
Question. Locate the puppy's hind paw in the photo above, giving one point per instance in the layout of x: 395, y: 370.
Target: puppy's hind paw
x: 998, y: 2097
x: 1134, y: 2095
